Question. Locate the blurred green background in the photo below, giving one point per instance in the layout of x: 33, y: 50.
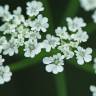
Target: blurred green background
x: 34, y: 80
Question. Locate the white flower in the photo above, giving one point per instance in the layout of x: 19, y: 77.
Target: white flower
x: 65, y: 49
x: 73, y: 44
x: 33, y: 35
x: 3, y: 41
x: 32, y: 48
x: 22, y: 30
x: 80, y: 36
x: 40, y: 24
x: 18, y: 18
x: 94, y: 16
x: 54, y: 64
x: 83, y: 55
x: 94, y: 65
x: 50, y: 42
x: 1, y: 60
x: 8, y: 28
x: 88, y: 4
x: 75, y: 23
x: 5, y: 74
x: 34, y: 7
x: 62, y: 33
x: 5, y: 14
x: 93, y: 90
x: 11, y: 47
x: 20, y: 40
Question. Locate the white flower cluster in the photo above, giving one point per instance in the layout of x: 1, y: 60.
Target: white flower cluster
x: 89, y: 5
x: 21, y: 31
x: 67, y: 41
x: 94, y: 65
x: 93, y: 90
x: 18, y: 31
x: 5, y: 73
x: 54, y: 64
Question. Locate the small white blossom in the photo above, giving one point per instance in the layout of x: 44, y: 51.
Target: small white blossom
x: 11, y: 47
x: 40, y: 24
x: 93, y: 90
x: 62, y: 33
x: 3, y: 41
x: 8, y: 28
x: 1, y: 60
x: 33, y: 35
x: 26, y: 32
x: 34, y: 7
x: 54, y: 64
x: 80, y: 36
x: 73, y: 44
x: 5, y: 74
x: 18, y: 31
x: 65, y: 49
x: 20, y: 40
x: 32, y: 48
x: 18, y: 18
x: 5, y: 14
x: 50, y: 42
x: 94, y: 16
x: 75, y: 23
x: 83, y: 55
x: 94, y: 65
x: 22, y: 30
x: 88, y: 4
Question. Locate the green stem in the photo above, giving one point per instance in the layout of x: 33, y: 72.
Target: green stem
x: 61, y: 84
x: 21, y: 64
x: 28, y: 62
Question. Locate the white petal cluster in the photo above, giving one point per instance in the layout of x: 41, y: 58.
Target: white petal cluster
x: 54, y: 64
x: 5, y: 74
x: 40, y: 24
x: 3, y: 42
x: 32, y: 48
x: 5, y: 14
x: 62, y: 33
x: 50, y: 42
x: 80, y: 36
x: 1, y: 60
x: 83, y: 55
x: 23, y: 31
x: 67, y: 52
x: 94, y: 16
x: 93, y: 90
x: 20, y: 31
x: 18, y: 18
x: 11, y: 47
x: 94, y: 65
x: 75, y: 23
x: 68, y: 43
x: 89, y: 5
